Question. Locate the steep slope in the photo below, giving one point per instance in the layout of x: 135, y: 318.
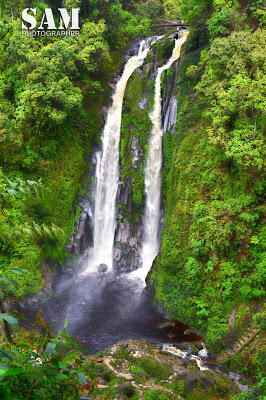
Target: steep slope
x: 210, y: 271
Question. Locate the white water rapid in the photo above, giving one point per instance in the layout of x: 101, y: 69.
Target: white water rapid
x: 153, y: 172
x: 107, y: 173
x: 185, y: 355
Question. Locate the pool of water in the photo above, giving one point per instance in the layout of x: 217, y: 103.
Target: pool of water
x: 103, y: 308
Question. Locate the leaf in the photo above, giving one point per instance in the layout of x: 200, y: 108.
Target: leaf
x: 71, y: 356
x: 254, y: 240
x: 9, y: 319
x: 82, y: 378
x: 6, y: 371
x: 62, y: 377
x: 7, y: 280
x: 50, y: 348
x: 69, y: 339
x: 66, y: 323
x: 12, y: 192
x: 17, y: 271
x: 7, y: 288
x: 6, y: 354
x: 62, y: 365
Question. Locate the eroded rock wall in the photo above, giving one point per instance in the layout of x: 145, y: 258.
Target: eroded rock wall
x: 136, y: 127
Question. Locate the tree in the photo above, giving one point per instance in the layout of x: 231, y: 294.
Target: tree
x: 232, y: 87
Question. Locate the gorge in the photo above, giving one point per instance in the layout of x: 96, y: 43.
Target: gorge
x: 93, y: 294
x: 132, y: 244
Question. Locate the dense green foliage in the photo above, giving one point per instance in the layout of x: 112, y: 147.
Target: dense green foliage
x: 20, y: 233
x: 51, y: 93
x: 213, y: 250
x: 41, y: 366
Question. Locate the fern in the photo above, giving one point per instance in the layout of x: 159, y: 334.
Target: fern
x: 25, y: 191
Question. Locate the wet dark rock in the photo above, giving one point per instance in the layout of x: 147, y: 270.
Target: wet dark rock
x: 134, y: 48
x: 231, y: 320
x: 126, y: 110
x: 143, y: 104
x: 102, y: 268
x: 156, y: 65
x: 136, y: 152
x: 127, y: 247
x: 188, y: 347
x: 147, y: 70
x: 165, y: 324
x: 111, y: 85
x: 83, y: 239
x: 241, y: 381
x: 205, y: 380
x: 104, y: 112
x: 128, y: 236
x: 124, y: 189
x: 48, y: 281
x: 169, y: 102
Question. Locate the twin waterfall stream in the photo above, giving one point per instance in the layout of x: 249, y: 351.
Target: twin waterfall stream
x: 107, y: 172
x: 102, y: 304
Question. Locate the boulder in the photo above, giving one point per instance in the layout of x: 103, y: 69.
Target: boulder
x: 102, y: 268
x: 126, y: 388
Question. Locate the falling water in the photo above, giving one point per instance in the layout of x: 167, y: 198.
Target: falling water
x: 153, y: 172
x: 107, y: 174
x: 104, y: 308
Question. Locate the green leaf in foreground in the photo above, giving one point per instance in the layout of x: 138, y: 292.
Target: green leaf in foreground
x: 50, y: 348
x: 9, y: 319
x: 5, y: 371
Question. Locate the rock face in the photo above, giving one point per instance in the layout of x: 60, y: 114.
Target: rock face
x: 143, y: 104
x: 128, y: 237
x: 127, y: 247
x: 136, y: 152
x: 169, y: 105
x: 83, y: 239
x: 129, y: 232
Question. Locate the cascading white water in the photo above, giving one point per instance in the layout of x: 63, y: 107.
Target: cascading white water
x: 107, y: 172
x: 153, y: 172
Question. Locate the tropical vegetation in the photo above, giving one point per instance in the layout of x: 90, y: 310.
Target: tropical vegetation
x: 211, y: 267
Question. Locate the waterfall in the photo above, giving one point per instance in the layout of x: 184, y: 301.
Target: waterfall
x: 153, y: 172
x: 107, y: 172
